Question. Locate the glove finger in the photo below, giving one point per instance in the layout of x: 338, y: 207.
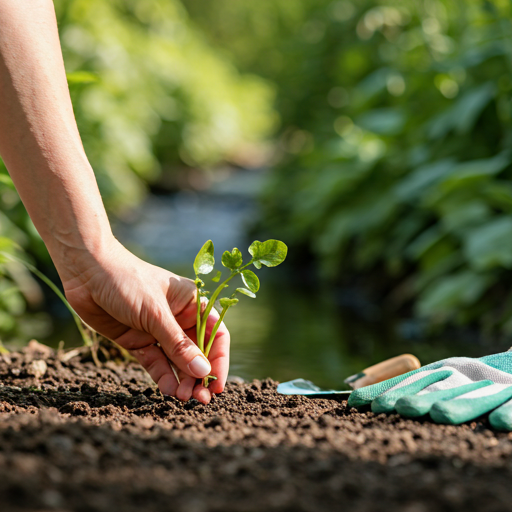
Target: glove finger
x: 387, y: 401
x: 471, y: 405
x: 419, y: 405
x: 365, y: 396
x: 501, y: 418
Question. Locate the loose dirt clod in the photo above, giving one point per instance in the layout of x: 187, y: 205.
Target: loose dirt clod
x: 100, y: 439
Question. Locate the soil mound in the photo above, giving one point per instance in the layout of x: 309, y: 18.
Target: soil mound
x: 74, y: 437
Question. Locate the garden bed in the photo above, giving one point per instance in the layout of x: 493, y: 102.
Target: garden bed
x: 84, y: 438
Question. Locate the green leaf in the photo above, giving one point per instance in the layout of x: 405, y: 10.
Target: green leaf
x: 467, y: 173
x: 226, y: 303
x: 216, y: 279
x: 6, y: 180
x: 382, y: 121
x: 247, y: 292
x: 420, y: 180
x: 270, y: 253
x: 251, y: 280
x: 204, y: 262
x: 464, y: 114
x: 449, y: 292
x: 490, y: 245
x: 81, y: 77
x: 233, y: 259
x: 6, y: 244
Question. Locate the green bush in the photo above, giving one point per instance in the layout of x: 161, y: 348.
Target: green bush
x: 397, y: 160
x: 156, y: 96
x: 395, y: 143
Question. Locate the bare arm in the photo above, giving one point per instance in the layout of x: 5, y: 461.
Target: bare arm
x: 116, y: 293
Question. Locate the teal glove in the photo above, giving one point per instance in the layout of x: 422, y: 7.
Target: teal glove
x: 452, y: 391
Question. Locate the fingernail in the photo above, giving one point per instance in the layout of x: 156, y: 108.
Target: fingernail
x: 199, y: 367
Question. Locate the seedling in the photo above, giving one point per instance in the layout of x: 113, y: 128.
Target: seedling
x: 270, y: 253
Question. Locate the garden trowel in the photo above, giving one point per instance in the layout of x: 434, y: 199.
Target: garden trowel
x: 377, y: 373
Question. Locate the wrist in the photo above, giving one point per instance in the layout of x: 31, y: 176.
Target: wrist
x: 78, y: 255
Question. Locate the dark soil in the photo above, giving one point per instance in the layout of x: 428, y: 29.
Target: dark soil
x: 84, y: 438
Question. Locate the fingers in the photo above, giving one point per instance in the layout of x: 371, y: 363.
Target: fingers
x: 218, y: 356
x: 219, y: 359
x: 152, y: 358
x: 202, y: 394
x: 178, y: 347
x: 184, y: 391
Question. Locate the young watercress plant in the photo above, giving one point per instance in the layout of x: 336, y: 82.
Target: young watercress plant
x: 270, y: 253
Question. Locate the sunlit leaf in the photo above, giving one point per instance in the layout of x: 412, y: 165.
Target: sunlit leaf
x: 204, y: 262
x: 233, y: 259
x: 247, y: 292
x: 216, y: 279
x: 226, y: 302
x: 251, y: 280
x: 270, y: 253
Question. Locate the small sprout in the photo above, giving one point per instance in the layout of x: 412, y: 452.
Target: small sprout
x: 207, y: 379
x: 270, y: 253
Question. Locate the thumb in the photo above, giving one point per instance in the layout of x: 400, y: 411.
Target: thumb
x: 178, y: 347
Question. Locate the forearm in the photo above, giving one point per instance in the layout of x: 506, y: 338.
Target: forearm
x: 39, y: 139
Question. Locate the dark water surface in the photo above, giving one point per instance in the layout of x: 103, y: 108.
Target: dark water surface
x: 290, y: 330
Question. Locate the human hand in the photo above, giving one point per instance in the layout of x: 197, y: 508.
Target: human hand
x: 139, y: 305
x: 452, y: 391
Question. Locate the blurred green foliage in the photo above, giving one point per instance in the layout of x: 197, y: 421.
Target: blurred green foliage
x: 394, y: 147
x: 395, y: 151
x: 151, y: 97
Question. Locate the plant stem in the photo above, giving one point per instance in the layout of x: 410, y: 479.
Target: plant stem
x: 214, y: 331
x: 200, y: 342
x: 211, y: 302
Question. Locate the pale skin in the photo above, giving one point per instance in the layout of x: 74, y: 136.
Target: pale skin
x: 120, y: 296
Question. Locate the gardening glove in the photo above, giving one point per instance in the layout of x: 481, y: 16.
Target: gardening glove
x: 452, y: 391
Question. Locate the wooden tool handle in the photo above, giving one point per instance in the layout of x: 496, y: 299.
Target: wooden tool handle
x: 388, y: 369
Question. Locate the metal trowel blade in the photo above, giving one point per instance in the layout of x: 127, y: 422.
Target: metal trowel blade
x: 307, y: 388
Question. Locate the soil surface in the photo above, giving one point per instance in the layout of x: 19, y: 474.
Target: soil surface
x: 75, y: 437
